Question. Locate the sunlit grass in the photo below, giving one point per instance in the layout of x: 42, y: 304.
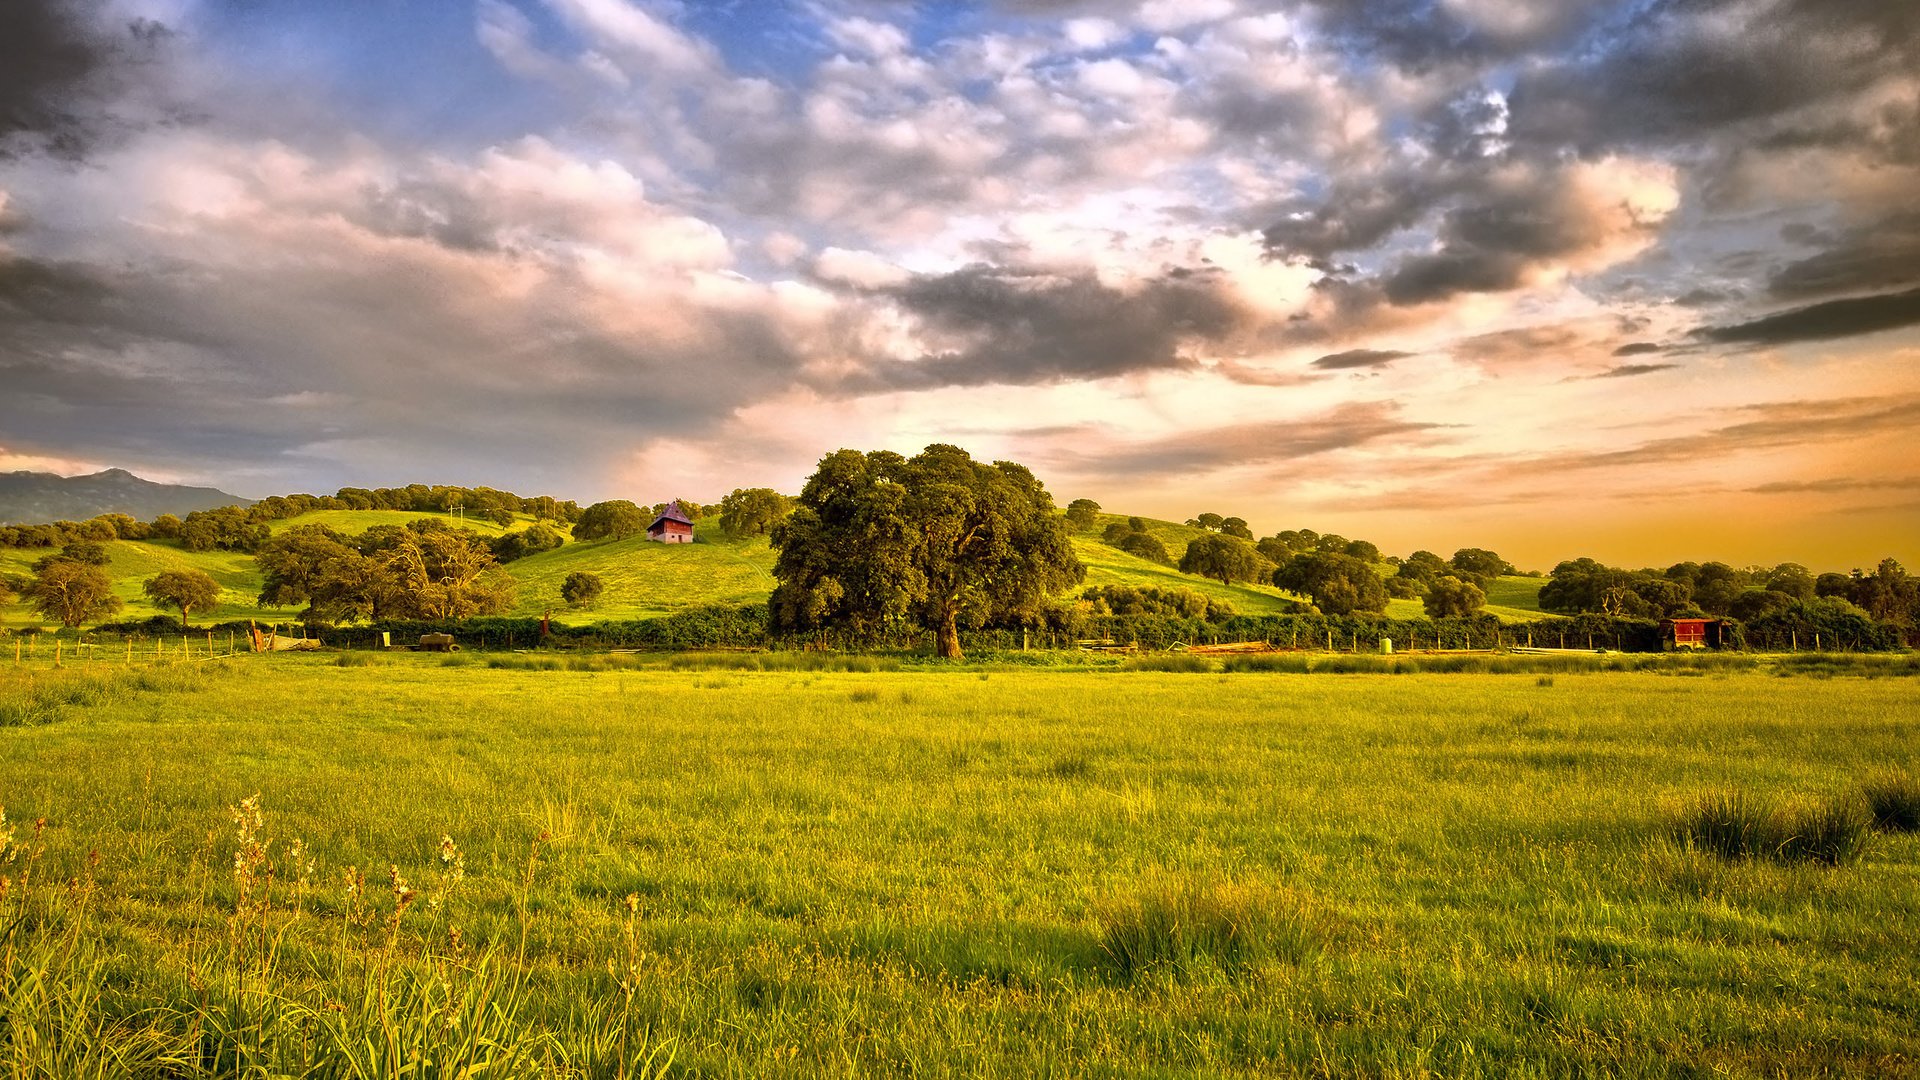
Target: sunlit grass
x: 951, y: 871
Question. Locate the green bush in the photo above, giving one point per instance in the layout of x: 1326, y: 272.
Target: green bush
x: 1894, y: 801
x: 1734, y: 825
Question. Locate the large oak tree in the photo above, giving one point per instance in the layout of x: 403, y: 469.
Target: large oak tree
x: 938, y: 540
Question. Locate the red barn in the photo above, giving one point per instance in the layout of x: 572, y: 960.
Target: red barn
x: 1692, y: 634
x: 672, y: 526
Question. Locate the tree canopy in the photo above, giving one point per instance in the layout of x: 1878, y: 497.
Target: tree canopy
x: 937, y: 540
x: 186, y: 591
x: 1338, y: 584
x: 615, y: 519
x: 73, y: 592
x: 1226, y: 558
x: 1451, y: 597
x: 1082, y: 513
x: 581, y: 589
x: 753, y: 511
x: 424, y: 570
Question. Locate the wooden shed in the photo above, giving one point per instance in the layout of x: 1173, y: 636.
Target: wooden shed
x: 672, y: 526
x: 1692, y: 634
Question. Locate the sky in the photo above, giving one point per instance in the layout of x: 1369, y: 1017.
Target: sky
x: 1636, y: 281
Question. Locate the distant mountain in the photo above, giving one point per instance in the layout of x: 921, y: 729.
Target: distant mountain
x: 31, y: 498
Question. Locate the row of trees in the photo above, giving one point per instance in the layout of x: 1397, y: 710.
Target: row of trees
x: 1887, y: 594
x: 234, y: 528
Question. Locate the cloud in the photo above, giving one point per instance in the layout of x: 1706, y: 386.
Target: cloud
x: 1681, y: 72
x: 63, y: 73
x: 986, y: 324
x: 1882, y: 255
x: 1346, y: 427
x: 1628, y: 371
x: 1835, y: 485
x: 1823, y: 321
x: 1532, y: 221
x: 1637, y: 348
x: 1752, y: 428
x: 1359, y: 358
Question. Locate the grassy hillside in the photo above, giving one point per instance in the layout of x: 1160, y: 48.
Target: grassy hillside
x: 1517, y: 594
x: 133, y: 562
x: 644, y: 579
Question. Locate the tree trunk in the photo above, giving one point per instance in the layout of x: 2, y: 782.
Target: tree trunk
x: 946, y: 636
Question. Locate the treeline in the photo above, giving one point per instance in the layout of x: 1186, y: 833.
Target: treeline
x: 1887, y: 594
x: 233, y: 528
x: 1815, y: 625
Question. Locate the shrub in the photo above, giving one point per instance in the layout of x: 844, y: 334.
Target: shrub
x: 1734, y: 825
x: 1894, y: 801
x: 1182, y: 930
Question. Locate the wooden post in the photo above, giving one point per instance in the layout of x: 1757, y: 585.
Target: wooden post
x: 16, y: 652
x: 1816, y: 641
x: 209, y: 643
x: 1795, y: 635
x: 57, y: 643
x: 1356, y: 642
x: 129, y: 650
x: 1329, y: 639
x: 1589, y: 641
x: 157, y: 657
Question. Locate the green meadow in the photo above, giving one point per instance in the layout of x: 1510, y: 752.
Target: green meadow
x: 688, y: 866
x: 644, y: 579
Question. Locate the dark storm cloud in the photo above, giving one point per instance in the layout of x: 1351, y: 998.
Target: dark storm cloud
x: 1012, y: 326
x: 1824, y: 321
x: 1883, y: 255
x: 1674, y: 71
x: 58, y: 69
x: 1344, y: 428
x: 1359, y: 358
x: 1419, y: 35
x: 1637, y: 348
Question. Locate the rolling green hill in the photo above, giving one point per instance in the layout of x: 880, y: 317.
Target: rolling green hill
x: 645, y: 579
x: 133, y: 562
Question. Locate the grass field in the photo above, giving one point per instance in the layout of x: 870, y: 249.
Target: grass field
x: 947, y: 872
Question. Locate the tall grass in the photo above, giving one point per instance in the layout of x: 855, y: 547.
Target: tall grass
x: 1741, y: 826
x: 412, y: 1000
x: 1185, y: 929
x: 1894, y: 801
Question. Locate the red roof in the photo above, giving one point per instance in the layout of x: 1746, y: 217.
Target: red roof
x: 671, y: 513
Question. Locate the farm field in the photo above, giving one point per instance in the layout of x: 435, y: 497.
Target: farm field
x: 949, y: 871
